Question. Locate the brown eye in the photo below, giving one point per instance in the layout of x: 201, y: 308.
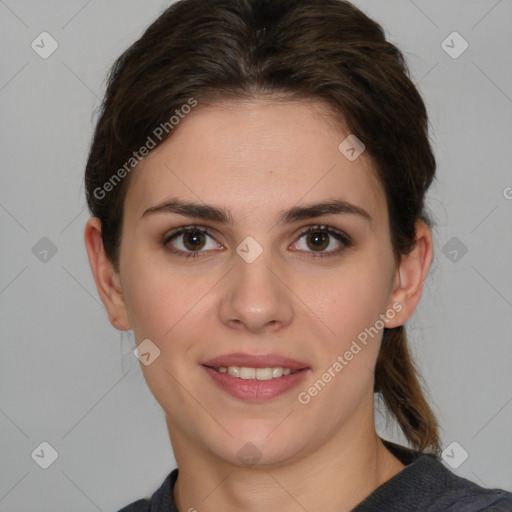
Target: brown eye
x: 190, y: 241
x: 322, y: 240
x: 194, y: 240
x: 317, y: 240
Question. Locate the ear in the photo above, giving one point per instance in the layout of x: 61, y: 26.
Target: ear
x: 410, y: 276
x: 106, y: 278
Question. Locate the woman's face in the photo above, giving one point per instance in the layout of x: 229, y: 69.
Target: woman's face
x: 248, y: 279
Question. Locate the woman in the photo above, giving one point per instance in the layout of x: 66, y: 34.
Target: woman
x: 257, y: 181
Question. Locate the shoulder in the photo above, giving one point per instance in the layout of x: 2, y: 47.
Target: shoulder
x: 459, y: 494
x: 426, y: 484
x: 137, y: 506
x: 162, y: 499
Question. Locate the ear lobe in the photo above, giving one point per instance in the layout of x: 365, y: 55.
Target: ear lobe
x: 411, y: 274
x: 107, y: 280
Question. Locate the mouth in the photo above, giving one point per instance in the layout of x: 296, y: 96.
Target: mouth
x: 252, y: 373
x: 255, y: 378
x: 241, y: 360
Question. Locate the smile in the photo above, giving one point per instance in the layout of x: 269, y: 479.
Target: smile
x: 255, y: 384
x: 244, y: 372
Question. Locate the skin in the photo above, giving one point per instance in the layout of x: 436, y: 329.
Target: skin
x: 256, y: 159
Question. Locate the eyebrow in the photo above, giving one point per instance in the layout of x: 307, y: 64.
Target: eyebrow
x: 223, y: 216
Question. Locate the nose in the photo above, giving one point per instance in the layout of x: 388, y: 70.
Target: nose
x: 256, y: 297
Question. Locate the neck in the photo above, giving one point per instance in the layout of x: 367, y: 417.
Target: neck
x: 336, y: 477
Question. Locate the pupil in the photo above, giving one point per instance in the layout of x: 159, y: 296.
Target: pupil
x: 319, y: 240
x: 194, y: 240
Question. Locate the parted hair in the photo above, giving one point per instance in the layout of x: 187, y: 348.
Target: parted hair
x: 306, y: 49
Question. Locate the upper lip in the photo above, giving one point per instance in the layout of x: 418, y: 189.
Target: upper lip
x: 255, y: 361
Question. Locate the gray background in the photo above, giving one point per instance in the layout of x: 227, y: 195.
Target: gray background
x: 68, y: 378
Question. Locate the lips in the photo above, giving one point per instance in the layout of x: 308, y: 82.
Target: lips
x: 256, y: 390
x: 255, y: 361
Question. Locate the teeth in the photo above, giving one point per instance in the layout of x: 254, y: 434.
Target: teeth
x: 244, y: 372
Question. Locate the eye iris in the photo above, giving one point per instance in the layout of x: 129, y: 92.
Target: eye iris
x: 318, y: 240
x: 194, y: 240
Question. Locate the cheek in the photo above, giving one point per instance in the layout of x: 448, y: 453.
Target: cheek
x: 160, y: 298
x: 350, y: 305
x: 350, y: 299
x: 350, y: 312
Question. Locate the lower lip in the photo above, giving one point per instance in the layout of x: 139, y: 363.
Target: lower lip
x: 256, y: 390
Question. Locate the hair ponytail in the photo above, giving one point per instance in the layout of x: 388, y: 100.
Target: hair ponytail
x: 398, y: 380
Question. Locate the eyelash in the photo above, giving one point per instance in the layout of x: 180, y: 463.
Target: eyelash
x: 338, y: 235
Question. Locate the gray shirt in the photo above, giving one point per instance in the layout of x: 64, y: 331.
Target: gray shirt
x: 424, y: 485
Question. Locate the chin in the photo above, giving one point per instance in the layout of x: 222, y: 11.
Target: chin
x: 250, y: 450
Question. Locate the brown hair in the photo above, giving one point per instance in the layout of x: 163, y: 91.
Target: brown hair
x: 197, y: 50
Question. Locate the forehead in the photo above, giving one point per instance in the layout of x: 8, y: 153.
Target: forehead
x: 256, y: 156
